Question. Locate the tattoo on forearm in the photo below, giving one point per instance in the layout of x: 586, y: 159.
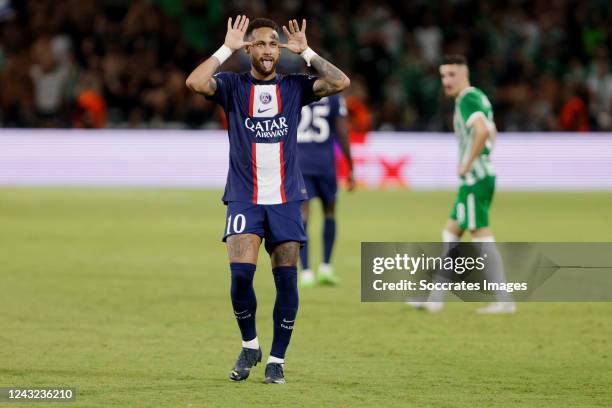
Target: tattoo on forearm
x: 324, y: 88
x: 327, y: 69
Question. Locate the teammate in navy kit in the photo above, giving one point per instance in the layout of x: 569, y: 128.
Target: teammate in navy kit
x: 322, y: 123
x: 264, y: 187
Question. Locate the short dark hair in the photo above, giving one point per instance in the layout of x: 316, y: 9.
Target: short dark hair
x: 457, y: 59
x: 259, y: 23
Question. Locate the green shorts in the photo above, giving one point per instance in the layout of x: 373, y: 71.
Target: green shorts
x: 471, y: 209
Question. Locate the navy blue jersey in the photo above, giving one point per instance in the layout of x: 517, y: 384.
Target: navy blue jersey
x: 262, y: 118
x: 316, y: 135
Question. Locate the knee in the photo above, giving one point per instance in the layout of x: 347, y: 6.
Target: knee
x: 242, y: 278
x: 450, y: 236
x: 451, y: 232
x: 285, y: 254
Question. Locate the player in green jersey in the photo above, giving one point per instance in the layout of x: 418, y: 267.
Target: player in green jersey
x: 475, y: 129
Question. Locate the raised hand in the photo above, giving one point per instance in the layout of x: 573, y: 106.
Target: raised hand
x: 296, y: 37
x: 234, y: 39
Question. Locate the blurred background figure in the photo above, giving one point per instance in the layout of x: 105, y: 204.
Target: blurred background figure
x: 119, y: 63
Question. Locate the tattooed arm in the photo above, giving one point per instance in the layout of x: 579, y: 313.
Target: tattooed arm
x: 332, y: 80
x: 201, y: 79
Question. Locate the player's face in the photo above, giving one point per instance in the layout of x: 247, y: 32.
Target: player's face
x: 454, y: 78
x: 264, y: 50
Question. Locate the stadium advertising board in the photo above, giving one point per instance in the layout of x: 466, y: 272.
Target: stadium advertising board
x: 419, y: 161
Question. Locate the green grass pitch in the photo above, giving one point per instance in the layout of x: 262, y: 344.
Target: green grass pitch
x: 124, y: 295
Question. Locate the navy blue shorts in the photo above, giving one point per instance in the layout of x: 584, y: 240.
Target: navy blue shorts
x: 323, y: 186
x: 275, y: 223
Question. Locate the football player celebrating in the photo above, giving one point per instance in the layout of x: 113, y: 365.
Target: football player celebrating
x: 264, y: 187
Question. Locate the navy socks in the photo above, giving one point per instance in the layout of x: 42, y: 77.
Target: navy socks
x: 329, y: 236
x: 243, y: 297
x: 285, y: 308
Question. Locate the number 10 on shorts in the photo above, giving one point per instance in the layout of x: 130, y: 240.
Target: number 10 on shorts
x: 237, y: 225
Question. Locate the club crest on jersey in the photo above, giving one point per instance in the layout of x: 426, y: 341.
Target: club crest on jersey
x: 264, y: 101
x: 265, y: 98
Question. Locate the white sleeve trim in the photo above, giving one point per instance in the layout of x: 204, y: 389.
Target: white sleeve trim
x: 470, y: 121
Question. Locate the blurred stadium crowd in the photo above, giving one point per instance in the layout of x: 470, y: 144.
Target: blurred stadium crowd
x: 114, y: 63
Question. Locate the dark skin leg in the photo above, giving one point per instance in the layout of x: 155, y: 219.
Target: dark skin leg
x: 305, y: 210
x: 285, y: 254
x: 243, y: 248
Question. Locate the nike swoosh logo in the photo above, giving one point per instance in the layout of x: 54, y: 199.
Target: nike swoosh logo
x: 239, y: 313
x: 262, y: 111
x: 288, y: 321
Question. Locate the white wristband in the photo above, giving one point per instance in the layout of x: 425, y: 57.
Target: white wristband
x: 223, y: 53
x: 308, y: 54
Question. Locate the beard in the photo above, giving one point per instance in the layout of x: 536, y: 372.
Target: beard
x: 260, y: 67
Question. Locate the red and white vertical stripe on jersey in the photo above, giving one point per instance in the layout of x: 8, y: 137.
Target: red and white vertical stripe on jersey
x: 282, y: 172
x: 279, y: 101
x: 264, y: 101
x: 268, y: 173
x: 254, y: 168
x: 251, y: 96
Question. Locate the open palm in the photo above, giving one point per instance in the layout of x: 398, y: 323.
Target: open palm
x: 234, y: 39
x: 296, y: 37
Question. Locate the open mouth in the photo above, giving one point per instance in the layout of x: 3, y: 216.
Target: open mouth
x: 267, y: 63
